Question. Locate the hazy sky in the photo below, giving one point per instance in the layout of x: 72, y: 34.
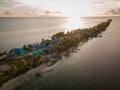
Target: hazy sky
x: 73, y: 8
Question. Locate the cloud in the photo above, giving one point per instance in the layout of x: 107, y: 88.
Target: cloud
x: 18, y: 8
x: 107, y: 3
x: 9, y: 3
x: 99, y: 2
x: 25, y: 10
x: 8, y: 13
x: 113, y: 12
x: 50, y: 12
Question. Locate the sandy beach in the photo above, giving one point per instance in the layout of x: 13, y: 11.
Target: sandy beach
x: 31, y: 73
x: 20, y: 79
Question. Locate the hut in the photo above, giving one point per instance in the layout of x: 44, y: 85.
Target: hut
x: 47, y: 48
x: 38, y: 52
x: 17, y: 51
x: 41, y: 51
x: 20, y: 51
x: 36, y: 46
x: 35, y: 53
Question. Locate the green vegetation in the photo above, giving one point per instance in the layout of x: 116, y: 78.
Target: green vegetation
x: 27, y: 47
x: 74, y: 37
x: 19, y: 66
x: 60, y: 34
x: 68, y: 40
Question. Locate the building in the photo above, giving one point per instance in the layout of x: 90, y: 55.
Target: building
x: 38, y: 52
x: 17, y: 51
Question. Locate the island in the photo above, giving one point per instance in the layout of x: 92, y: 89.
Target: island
x: 17, y: 61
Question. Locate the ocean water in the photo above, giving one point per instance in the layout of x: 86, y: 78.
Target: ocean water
x: 15, y: 32
x: 95, y: 67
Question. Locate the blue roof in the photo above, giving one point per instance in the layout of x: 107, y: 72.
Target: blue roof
x: 35, y: 53
x: 37, y: 45
x: 48, y: 47
x: 42, y: 44
x: 41, y: 51
x: 20, y: 51
x: 33, y: 48
x: 38, y: 52
x: 17, y: 51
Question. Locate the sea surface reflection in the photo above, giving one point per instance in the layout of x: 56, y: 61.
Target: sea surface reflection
x: 15, y: 32
x: 95, y: 67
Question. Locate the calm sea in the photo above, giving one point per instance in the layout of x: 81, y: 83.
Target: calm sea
x: 95, y: 67
x: 15, y: 32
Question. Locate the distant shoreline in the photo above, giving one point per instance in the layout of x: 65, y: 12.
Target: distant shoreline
x: 109, y: 16
x: 33, y: 17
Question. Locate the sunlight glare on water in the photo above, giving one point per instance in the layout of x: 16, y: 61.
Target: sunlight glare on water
x: 74, y: 23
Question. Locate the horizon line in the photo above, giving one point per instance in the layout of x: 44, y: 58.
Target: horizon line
x: 56, y: 16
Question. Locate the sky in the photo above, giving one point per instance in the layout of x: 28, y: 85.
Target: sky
x: 70, y: 8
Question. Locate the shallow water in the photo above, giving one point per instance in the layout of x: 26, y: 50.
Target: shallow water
x: 95, y: 67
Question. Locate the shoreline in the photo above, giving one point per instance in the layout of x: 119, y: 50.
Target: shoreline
x: 21, y: 78
x: 34, y: 71
x: 24, y: 67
